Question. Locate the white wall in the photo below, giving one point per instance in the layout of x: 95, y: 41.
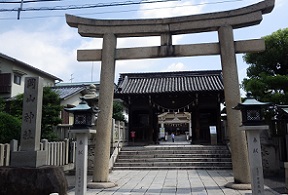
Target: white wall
x: 9, y: 67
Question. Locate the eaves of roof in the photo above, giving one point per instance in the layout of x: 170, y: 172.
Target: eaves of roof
x: 66, y: 92
x: 170, y: 82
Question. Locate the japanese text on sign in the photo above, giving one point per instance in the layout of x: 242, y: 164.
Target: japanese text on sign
x: 31, y: 83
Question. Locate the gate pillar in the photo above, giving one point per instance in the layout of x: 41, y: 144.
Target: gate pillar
x: 105, y: 104
x: 232, y: 95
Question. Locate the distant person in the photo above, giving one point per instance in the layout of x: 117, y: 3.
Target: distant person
x: 173, y: 137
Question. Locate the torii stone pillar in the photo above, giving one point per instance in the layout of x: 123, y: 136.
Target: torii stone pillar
x: 105, y: 104
x: 232, y: 98
x: 223, y: 22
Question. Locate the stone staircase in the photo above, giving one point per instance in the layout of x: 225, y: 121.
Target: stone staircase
x: 173, y: 157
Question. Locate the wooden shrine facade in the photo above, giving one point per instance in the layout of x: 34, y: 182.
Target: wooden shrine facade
x: 149, y: 95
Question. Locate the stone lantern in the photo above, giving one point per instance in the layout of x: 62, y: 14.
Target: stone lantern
x: 252, y: 111
x: 253, y: 124
x: 84, y: 117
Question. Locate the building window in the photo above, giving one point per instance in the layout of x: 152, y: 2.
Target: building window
x: 17, y: 79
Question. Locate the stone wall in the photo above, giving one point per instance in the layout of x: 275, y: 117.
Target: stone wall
x: 270, y: 154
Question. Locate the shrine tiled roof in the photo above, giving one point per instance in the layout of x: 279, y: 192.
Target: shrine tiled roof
x: 170, y: 82
x: 65, y: 92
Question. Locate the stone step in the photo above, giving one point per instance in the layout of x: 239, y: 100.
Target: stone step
x: 127, y: 156
x: 146, y: 152
x: 131, y: 160
x: 174, y: 164
x: 172, y: 168
x: 174, y: 157
x: 171, y: 147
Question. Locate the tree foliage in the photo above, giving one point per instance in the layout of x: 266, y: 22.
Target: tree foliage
x: 268, y: 70
x: 50, y: 113
x: 2, y: 104
x: 118, y: 109
x: 10, y: 128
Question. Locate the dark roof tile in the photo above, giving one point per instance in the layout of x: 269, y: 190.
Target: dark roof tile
x: 65, y: 92
x: 163, y: 82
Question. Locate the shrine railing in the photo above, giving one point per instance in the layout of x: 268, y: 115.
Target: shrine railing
x: 4, y: 154
x: 119, y: 138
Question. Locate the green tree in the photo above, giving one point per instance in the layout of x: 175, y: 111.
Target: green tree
x: 118, y: 109
x: 268, y: 70
x: 2, y: 104
x: 10, y: 128
x: 15, y: 106
x: 50, y: 112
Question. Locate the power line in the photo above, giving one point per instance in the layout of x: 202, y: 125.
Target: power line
x: 74, y: 7
x: 98, y: 5
x: 37, y: 1
x: 132, y: 10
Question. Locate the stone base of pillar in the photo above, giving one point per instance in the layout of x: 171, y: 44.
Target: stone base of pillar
x: 99, y: 185
x: 238, y: 186
x: 29, y: 158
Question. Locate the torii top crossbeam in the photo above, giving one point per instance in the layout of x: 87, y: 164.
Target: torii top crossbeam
x: 237, y: 18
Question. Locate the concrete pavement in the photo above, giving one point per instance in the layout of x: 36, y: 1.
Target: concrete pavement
x: 168, y: 182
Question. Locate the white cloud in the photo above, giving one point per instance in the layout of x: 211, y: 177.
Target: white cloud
x: 50, y: 49
x: 169, y: 9
x: 38, y: 49
x: 175, y: 67
x: 91, y: 43
x: 138, y: 42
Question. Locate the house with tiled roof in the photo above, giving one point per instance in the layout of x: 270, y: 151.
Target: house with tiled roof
x: 13, y: 72
x: 183, y: 103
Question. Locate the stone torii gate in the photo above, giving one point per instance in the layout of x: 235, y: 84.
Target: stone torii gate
x: 227, y: 47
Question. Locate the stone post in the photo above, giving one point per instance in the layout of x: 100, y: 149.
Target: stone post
x: 232, y: 98
x: 30, y: 154
x: 104, y: 121
x: 81, y: 159
x: 14, y: 145
x: 213, y: 135
x: 190, y: 128
x: 255, y: 157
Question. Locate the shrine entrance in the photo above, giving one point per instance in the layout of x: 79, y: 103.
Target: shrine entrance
x: 177, y: 123
x: 222, y: 22
x: 186, y: 103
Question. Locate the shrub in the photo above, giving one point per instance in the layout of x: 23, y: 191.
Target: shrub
x: 10, y: 128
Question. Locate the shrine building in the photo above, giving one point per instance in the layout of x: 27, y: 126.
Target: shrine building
x: 185, y: 103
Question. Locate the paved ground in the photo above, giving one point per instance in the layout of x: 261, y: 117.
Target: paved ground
x: 168, y: 182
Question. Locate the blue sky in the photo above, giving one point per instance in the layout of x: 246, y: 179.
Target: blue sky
x: 44, y: 40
